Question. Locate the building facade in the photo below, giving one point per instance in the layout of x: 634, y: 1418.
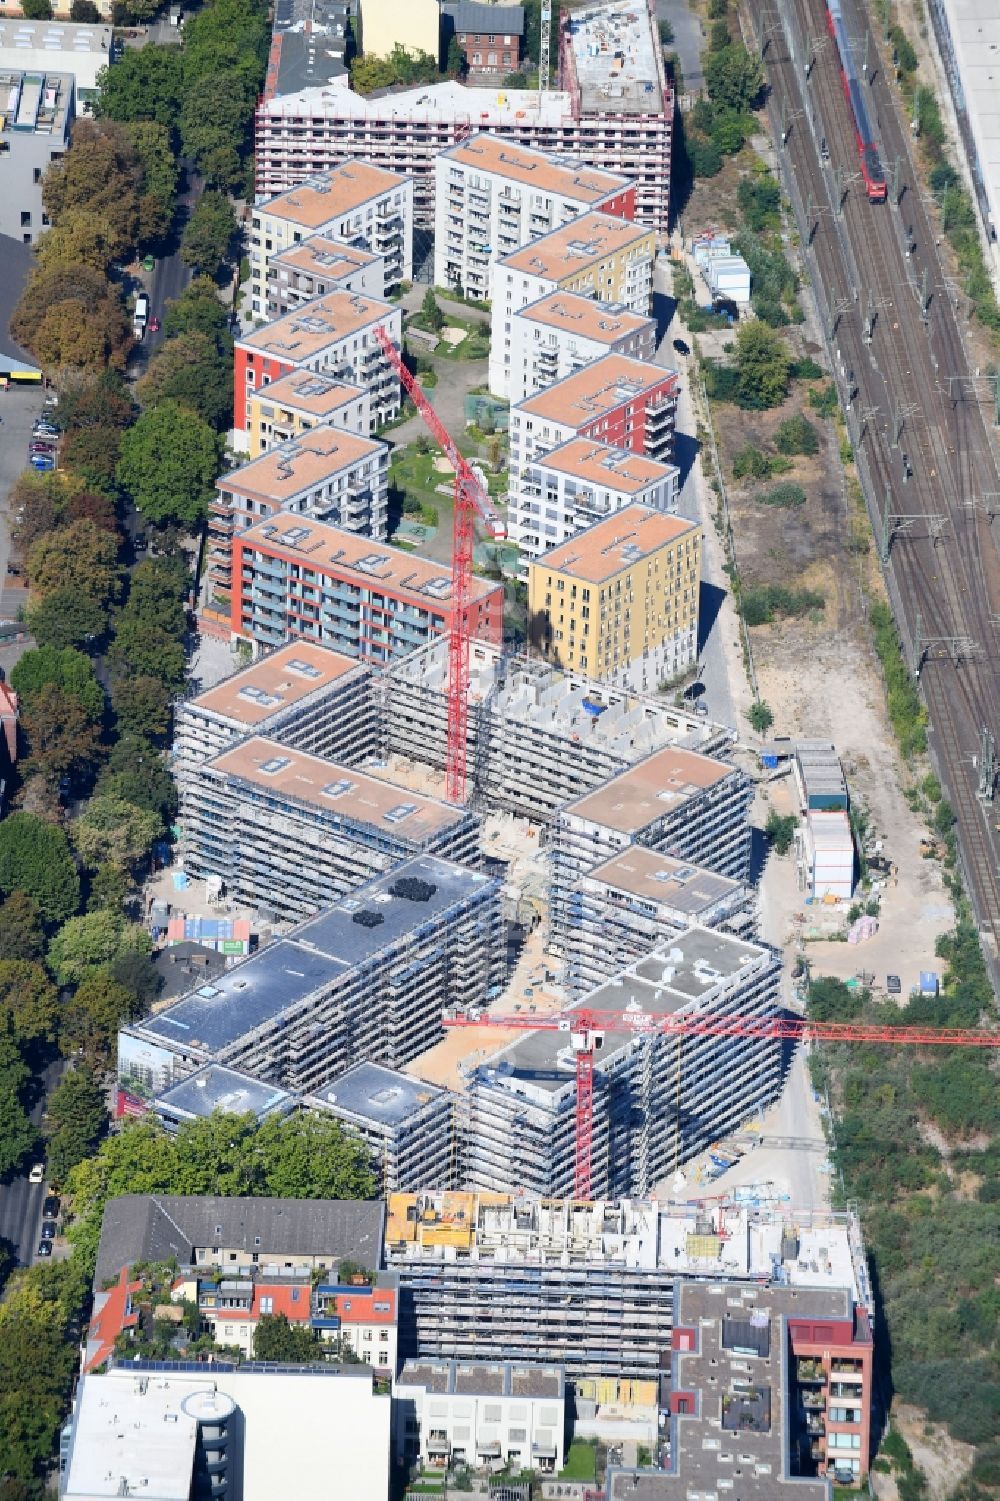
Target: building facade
x: 494, y: 1415
x: 620, y: 599
x: 319, y: 265
x: 408, y: 1124
x: 332, y: 335
x: 327, y: 474
x: 385, y: 25
x: 296, y: 403
x: 356, y: 202
x: 493, y: 196
x: 558, y: 335
x: 491, y: 36
x: 36, y: 112
x: 324, y: 584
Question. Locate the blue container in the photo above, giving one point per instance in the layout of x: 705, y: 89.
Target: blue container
x: 770, y: 763
x: 928, y: 982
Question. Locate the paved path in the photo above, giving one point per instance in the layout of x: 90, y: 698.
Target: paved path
x: 687, y: 43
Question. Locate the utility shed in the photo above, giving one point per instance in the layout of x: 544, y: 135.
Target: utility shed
x: 829, y: 849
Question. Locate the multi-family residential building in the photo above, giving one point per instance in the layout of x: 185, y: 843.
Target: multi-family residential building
x: 332, y: 335
x: 365, y: 979
x: 296, y: 403
x: 408, y: 1124
x: 326, y: 474
x: 47, y: 46
x: 319, y: 265
x: 685, y: 804
x: 362, y: 1318
x: 614, y: 109
x: 634, y: 902
x: 558, y: 335
x: 537, y: 738
x: 362, y: 204
x: 487, y: 1413
x: 36, y: 113
x: 493, y: 195
x: 620, y: 600
x: 614, y: 400
x: 490, y: 36
x: 559, y: 497
x: 325, y: 584
x: 249, y: 1433
x: 289, y: 833
x: 60, y: 10
x: 659, y: 1099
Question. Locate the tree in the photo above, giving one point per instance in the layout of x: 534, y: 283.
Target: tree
x: 100, y: 174
x: 198, y: 310
x: 292, y: 1344
x: 39, y: 503
x: 214, y: 124
x: 113, y: 831
x: 705, y: 157
x: 144, y: 648
x: 29, y: 1005
x: 18, y: 1137
x: 157, y: 589
x: 430, y: 312
x: 90, y: 941
x: 158, y: 196
x: 780, y: 830
x: 760, y: 716
x: 80, y: 238
x: 312, y: 1157
x: 99, y: 1006
x: 100, y: 400
x: 71, y: 316
x: 92, y: 454
x: 456, y: 64
x: 168, y: 464
x: 796, y: 435
x: 65, y: 618
x: 137, y: 772
x: 88, y: 505
x: 145, y: 83
x: 35, y: 858
x: 142, y: 707
x: 192, y: 370
x: 208, y: 234
x: 37, y: 1358
x: 21, y: 933
x: 138, y: 974
x: 84, y: 12
x: 80, y: 557
x: 36, y: 10
x: 763, y: 366
x: 62, y: 739
x: 68, y: 669
x: 78, y: 1118
x: 734, y: 78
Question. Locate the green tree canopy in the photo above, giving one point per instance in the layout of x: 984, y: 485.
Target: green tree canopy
x: 100, y: 399
x: 142, y: 707
x: 35, y: 858
x: 29, y: 1004
x: 113, y: 831
x: 70, y: 670
x: 18, y: 1137
x: 168, y: 464
x: 145, y: 648
x: 81, y: 557
x: 151, y: 142
x: 91, y: 1019
x: 293, y: 1344
x: 90, y: 941
x: 22, y: 935
x: 192, y: 370
x: 100, y: 174
x: 198, y: 311
x: 65, y: 618
x: 763, y: 366
x: 91, y: 454
x: 62, y: 739
x: 77, y: 1119
x: 145, y: 84
x: 38, y: 1355
x: 137, y: 772
x: 70, y: 315
x: 209, y: 234
x: 214, y: 123
x: 734, y: 78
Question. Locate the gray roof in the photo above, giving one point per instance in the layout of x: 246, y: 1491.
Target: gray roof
x: 468, y: 16
x: 156, y: 1227
x: 378, y: 1096
x: 185, y: 964
x: 216, y: 1088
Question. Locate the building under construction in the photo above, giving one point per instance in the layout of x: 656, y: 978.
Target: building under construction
x: 537, y: 737
x: 364, y: 980
x: 288, y: 833
x: 658, y: 1100
x: 407, y: 1124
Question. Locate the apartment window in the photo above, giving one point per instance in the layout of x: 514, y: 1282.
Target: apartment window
x: 37, y: 174
x: 25, y: 218
x: 267, y: 1305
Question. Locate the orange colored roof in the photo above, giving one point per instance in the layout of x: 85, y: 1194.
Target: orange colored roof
x: 573, y: 313
x: 539, y: 170
x: 114, y: 1315
x: 604, y: 384
x: 615, y: 544
x: 584, y: 242
x: 367, y: 1305
x: 294, y: 1302
x: 321, y: 199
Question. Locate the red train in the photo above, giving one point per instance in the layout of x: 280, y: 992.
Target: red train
x: 871, y: 163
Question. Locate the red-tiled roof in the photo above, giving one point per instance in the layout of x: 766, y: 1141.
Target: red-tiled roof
x: 114, y: 1315
x: 376, y: 1305
x: 293, y: 1302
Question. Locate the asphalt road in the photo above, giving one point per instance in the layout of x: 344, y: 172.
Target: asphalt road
x: 688, y: 40
x: 21, y: 1201
x: 169, y: 277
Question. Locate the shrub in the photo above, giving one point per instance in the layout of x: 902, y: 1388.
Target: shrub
x: 760, y: 716
x: 786, y: 497
x: 705, y: 158
x: 806, y: 369
x: 763, y: 605
x: 824, y: 400
x: 797, y: 435
x: 759, y: 200
x: 751, y: 463
x: 780, y: 830
x: 906, y: 58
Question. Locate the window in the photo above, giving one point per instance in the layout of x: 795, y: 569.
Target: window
x: 267, y: 1305
x: 25, y: 218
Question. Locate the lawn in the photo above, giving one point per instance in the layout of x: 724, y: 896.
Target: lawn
x: 581, y: 1461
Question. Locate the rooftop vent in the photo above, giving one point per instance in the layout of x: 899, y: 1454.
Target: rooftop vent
x: 367, y: 918
x: 399, y: 812
x: 305, y: 669
x: 275, y: 764
x: 412, y: 889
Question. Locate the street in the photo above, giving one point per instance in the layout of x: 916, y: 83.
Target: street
x: 170, y: 275
x: 21, y: 1201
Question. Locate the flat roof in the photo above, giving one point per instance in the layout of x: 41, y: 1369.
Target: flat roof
x: 379, y: 1096
x: 274, y: 682
x: 483, y: 1378
x: 319, y: 200
x: 610, y: 467
x: 348, y: 795
x: 974, y: 28
x: 301, y: 463
x: 19, y: 34
x: 311, y: 958
x: 372, y: 564
x: 542, y: 171
x: 216, y: 1088
x: 576, y: 246
x: 316, y: 325
x: 617, y: 543
x: 598, y: 388
x: 663, y: 878
x: 35, y: 101
x: 651, y: 789
x: 575, y: 313
x: 443, y: 102
x: 308, y: 391
x: 616, y: 58
x: 324, y: 255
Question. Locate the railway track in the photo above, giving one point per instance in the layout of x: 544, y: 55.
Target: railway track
x: 951, y: 581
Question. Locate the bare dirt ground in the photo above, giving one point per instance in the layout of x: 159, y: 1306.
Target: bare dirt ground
x: 942, y: 1459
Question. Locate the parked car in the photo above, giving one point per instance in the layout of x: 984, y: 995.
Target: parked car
x: 44, y: 1248
x: 48, y: 428
x: 37, y: 1174
x: 148, y: 263
x: 39, y: 446
x: 49, y: 1230
x: 43, y: 461
x: 681, y: 347
x: 893, y: 984
x: 154, y: 325
x: 50, y: 1209
x: 52, y: 401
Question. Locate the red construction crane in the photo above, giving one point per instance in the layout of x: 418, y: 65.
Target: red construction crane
x: 587, y: 1028
x: 470, y: 497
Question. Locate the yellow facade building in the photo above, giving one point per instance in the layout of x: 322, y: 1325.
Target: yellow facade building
x: 302, y: 400
x: 412, y: 24
x: 620, y: 600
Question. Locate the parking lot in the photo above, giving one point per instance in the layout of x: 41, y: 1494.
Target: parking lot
x: 19, y: 408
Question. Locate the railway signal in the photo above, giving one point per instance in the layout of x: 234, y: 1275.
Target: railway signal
x: 587, y: 1030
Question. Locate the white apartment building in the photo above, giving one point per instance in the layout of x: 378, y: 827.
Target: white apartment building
x: 577, y: 484
x: 355, y: 201
x: 558, y: 335
x: 490, y: 1413
x: 319, y: 265
x: 332, y: 335
x: 493, y: 195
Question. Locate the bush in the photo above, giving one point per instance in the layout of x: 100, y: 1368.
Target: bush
x: 705, y: 157
x: 786, y: 497
x: 797, y: 435
x: 771, y: 313
x: 906, y: 713
x: 806, y: 369
x: 780, y: 830
x: 760, y: 716
x: 763, y: 605
x: 906, y: 58
x: 825, y: 400
x: 751, y: 463
x: 759, y: 200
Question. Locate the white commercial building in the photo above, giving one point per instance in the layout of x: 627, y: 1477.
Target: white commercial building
x: 493, y: 195
x: 489, y: 1413
x: 57, y: 47
x: 169, y: 1432
x: 364, y: 205
x: 559, y: 334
